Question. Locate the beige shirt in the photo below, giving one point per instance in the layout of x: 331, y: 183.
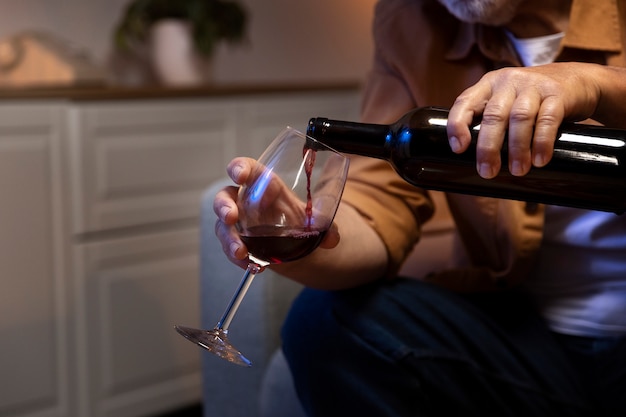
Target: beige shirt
x: 424, y: 57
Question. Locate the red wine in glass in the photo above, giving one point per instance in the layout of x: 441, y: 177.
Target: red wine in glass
x: 276, y: 244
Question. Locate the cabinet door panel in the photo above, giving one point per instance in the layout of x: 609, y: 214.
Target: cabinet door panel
x: 33, y: 333
x: 141, y: 163
x: 136, y: 289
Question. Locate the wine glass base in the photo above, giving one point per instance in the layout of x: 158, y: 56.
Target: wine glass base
x: 215, y: 341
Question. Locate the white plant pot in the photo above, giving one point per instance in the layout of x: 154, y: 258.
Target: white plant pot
x: 174, y: 60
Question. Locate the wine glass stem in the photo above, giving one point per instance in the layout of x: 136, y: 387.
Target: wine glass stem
x: 235, y: 301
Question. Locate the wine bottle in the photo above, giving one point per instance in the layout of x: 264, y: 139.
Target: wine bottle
x: 587, y: 170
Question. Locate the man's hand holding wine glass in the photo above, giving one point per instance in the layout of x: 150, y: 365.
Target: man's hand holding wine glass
x: 277, y: 196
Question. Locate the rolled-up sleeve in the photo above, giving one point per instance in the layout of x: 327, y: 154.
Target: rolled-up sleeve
x: 394, y: 209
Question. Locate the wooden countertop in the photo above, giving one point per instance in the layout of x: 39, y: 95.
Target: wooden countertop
x: 94, y: 93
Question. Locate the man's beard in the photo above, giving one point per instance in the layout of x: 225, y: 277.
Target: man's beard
x: 488, y: 12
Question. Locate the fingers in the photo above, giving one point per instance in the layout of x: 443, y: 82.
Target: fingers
x: 491, y: 135
x: 225, y: 207
x: 239, y: 169
x: 507, y: 113
x: 469, y: 104
x: 533, y: 128
x: 331, y: 239
x: 232, y: 246
x: 549, y: 119
x: 524, y: 104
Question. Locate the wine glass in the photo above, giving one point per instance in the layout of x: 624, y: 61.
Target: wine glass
x: 285, y: 208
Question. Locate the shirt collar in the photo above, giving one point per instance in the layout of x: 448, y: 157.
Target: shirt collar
x: 593, y: 25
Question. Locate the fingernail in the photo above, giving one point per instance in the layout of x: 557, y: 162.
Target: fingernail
x: 485, y: 170
x: 234, y: 248
x: 237, y: 170
x: 538, y: 160
x: 224, y: 211
x: 455, y: 144
x: 517, y: 168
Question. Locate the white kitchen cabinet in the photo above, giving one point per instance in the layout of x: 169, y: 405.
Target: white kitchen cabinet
x: 99, y: 205
x: 35, y: 327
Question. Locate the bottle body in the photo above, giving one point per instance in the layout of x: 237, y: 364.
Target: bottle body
x: 587, y: 170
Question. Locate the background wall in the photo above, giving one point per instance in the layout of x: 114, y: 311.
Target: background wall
x: 291, y: 41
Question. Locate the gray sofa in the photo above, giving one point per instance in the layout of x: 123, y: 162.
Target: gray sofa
x: 265, y: 389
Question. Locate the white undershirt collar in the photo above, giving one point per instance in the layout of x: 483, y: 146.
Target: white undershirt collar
x: 537, y: 51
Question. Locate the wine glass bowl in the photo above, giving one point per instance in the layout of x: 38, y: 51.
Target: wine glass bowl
x: 285, y: 209
x: 290, y: 203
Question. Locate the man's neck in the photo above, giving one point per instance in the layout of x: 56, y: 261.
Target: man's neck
x: 540, y: 18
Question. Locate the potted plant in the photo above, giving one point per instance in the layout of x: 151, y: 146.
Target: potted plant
x: 190, y: 28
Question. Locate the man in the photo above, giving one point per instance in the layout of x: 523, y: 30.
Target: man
x: 531, y: 319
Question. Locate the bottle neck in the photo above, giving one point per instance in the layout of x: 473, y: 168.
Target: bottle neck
x: 365, y: 139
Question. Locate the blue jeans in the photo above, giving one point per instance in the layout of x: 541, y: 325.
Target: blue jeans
x: 406, y: 348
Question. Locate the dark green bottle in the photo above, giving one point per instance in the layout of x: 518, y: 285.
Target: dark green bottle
x: 588, y: 169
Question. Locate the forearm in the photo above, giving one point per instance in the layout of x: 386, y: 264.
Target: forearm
x: 360, y: 257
